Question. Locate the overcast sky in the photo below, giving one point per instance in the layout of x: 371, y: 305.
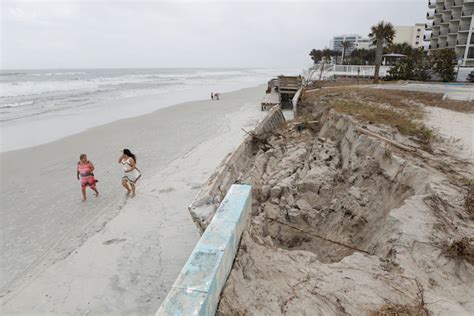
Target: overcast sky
x: 101, y: 34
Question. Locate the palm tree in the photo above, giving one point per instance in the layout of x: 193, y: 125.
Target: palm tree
x: 326, y: 56
x: 401, y: 48
x: 345, y: 45
x: 316, y: 55
x: 381, y: 34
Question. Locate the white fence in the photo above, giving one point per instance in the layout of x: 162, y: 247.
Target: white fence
x: 331, y: 71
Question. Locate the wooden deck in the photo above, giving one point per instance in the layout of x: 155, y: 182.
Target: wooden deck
x: 270, y: 99
x: 289, y: 84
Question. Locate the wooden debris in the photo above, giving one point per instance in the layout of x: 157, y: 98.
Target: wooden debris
x: 391, y: 142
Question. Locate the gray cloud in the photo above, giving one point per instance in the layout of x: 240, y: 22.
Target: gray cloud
x: 67, y: 34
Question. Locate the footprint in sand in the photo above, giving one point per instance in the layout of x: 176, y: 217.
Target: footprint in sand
x: 114, y: 241
x: 167, y: 190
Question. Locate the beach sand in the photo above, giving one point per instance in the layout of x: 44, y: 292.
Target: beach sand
x: 112, y: 255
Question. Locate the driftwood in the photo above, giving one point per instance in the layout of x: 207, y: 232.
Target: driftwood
x: 259, y: 140
x: 391, y: 142
x: 302, y: 123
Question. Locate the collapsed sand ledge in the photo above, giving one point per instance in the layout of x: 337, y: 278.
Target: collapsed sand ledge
x: 329, y: 180
x: 207, y: 201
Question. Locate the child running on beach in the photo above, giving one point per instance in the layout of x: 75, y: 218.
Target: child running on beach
x: 131, y: 174
x: 85, y: 173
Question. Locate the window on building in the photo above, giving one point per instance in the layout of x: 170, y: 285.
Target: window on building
x: 417, y: 43
x: 470, y: 53
x: 418, y: 36
x: 418, y: 30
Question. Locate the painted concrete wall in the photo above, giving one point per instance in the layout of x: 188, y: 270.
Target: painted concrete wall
x: 197, y: 289
x: 296, y: 99
x: 229, y: 171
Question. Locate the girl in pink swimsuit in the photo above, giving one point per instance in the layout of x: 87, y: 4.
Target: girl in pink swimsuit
x: 85, y: 173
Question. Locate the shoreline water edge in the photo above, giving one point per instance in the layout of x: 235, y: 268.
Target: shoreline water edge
x: 40, y: 106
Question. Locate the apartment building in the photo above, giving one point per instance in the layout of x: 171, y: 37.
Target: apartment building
x: 357, y: 42
x: 412, y: 35
x: 450, y: 25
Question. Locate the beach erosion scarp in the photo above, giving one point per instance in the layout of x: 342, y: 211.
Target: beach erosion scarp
x: 353, y: 217
x: 230, y: 170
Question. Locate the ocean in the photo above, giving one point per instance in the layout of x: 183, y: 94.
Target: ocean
x: 34, y: 92
x: 32, y: 101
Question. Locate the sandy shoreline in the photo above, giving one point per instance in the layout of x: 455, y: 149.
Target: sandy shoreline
x: 112, y: 255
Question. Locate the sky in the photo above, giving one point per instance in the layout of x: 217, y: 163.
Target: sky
x: 135, y: 34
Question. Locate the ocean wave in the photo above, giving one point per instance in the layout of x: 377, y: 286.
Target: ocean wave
x: 49, y: 74
x: 17, y: 104
x: 32, y: 93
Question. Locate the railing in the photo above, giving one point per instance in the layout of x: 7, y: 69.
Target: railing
x: 466, y: 13
x: 331, y: 71
x: 463, y: 28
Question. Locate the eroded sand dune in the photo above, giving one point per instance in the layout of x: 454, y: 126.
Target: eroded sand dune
x: 346, y: 223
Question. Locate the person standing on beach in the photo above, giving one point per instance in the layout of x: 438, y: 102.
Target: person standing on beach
x: 131, y: 174
x: 85, y: 173
x: 212, y: 95
x: 216, y: 95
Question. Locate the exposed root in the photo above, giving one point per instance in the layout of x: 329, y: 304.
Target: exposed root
x: 460, y: 250
x: 405, y: 310
x: 321, y: 237
x: 469, y: 200
x: 399, y: 310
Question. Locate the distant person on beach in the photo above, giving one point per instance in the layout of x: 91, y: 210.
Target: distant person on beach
x: 131, y: 174
x: 85, y: 173
x: 216, y: 95
x: 212, y: 95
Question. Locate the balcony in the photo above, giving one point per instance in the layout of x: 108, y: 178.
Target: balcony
x: 431, y: 4
x: 455, y: 17
x: 447, y: 8
x: 453, y: 31
x: 461, y: 43
x: 463, y: 28
x: 429, y: 16
x: 428, y: 27
x: 466, y: 14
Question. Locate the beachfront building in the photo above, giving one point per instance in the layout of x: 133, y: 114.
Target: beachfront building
x: 357, y: 42
x: 450, y: 26
x: 413, y: 35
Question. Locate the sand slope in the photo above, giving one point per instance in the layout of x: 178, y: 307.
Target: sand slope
x: 111, y: 255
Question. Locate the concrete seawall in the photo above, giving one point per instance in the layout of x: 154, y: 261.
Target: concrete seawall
x: 197, y: 288
x: 229, y: 171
